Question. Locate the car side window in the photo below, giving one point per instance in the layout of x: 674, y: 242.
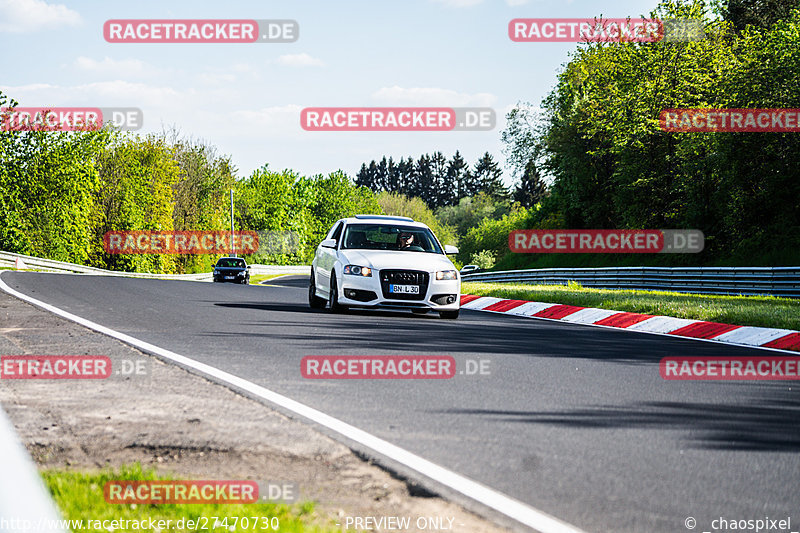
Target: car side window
x: 337, y: 232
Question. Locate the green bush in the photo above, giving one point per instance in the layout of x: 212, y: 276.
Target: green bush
x: 492, y: 235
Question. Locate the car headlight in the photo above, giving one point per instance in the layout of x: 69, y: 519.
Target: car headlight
x: 355, y: 270
x: 216, y: 272
x: 446, y: 274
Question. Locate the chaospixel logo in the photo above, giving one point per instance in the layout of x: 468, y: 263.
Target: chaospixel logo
x: 730, y: 368
x: 378, y: 367
x: 730, y: 120
x: 201, y: 31
x: 605, y: 241
x: 69, y: 118
x: 398, y: 119
x: 180, y: 242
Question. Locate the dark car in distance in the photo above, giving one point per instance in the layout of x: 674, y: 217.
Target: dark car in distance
x: 232, y: 270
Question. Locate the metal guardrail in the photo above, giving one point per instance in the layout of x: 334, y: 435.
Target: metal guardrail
x: 775, y: 281
x: 9, y: 260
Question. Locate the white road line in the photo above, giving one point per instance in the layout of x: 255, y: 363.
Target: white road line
x: 493, y: 499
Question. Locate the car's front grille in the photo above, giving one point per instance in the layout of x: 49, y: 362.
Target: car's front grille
x: 404, y: 277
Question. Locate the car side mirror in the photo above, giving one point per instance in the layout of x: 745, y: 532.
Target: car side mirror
x: 449, y: 249
x: 248, y: 267
x: 328, y: 243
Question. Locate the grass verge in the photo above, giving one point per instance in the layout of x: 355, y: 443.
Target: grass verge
x: 255, y: 279
x: 764, y: 311
x: 79, y: 496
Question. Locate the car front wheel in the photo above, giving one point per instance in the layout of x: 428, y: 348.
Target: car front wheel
x: 314, y: 301
x: 333, y: 299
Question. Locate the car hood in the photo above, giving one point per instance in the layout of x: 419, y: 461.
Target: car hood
x: 381, y: 259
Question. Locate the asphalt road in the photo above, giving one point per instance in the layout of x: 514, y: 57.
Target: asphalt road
x: 573, y: 420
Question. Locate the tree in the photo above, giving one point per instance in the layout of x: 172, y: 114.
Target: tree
x: 531, y: 188
x: 470, y: 210
x: 423, y: 185
x: 137, y: 176
x: 366, y: 176
x: 525, y: 126
x: 488, y: 175
x: 442, y: 192
x: 758, y: 13
x: 456, y: 172
x: 407, y: 175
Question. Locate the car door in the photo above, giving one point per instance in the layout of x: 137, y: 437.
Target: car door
x: 326, y: 259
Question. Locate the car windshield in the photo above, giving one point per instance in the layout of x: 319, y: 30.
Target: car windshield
x: 390, y: 237
x: 230, y: 262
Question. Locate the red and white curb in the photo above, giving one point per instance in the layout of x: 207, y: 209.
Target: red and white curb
x: 778, y: 339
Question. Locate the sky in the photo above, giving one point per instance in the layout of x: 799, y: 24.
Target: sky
x: 246, y: 99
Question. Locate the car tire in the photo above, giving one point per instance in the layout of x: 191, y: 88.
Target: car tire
x: 333, y: 298
x: 314, y: 301
x: 449, y: 314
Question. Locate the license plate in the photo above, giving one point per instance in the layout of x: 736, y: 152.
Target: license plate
x: 404, y: 289
x: 229, y: 277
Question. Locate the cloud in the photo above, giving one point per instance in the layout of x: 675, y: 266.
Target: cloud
x: 458, y: 3
x: 24, y: 16
x: 113, y: 67
x: 432, y: 96
x: 219, y: 78
x: 280, y: 122
x: 274, y: 118
x: 299, y: 60
x: 106, y: 93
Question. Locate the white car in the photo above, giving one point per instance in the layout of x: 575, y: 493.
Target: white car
x: 377, y: 261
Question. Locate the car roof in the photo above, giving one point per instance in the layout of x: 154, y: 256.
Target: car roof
x: 383, y: 219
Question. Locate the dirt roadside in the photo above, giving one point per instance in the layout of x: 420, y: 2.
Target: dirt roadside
x: 184, y: 425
